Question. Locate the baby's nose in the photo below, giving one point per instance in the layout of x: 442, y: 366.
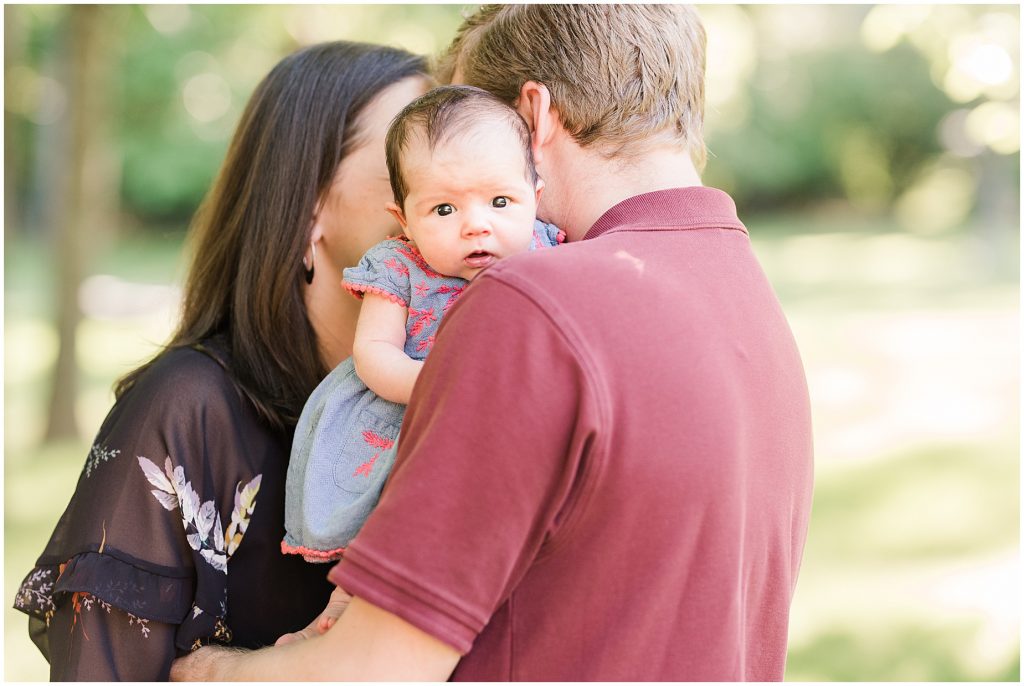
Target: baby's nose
x: 475, y: 224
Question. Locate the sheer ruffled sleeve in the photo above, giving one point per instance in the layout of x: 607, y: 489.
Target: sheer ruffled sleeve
x: 89, y: 639
x: 384, y: 270
x: 136, y: 570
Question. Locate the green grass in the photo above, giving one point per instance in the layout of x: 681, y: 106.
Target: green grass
x: 935, y: 502
x: 911, y: 348
x: 908, y: 651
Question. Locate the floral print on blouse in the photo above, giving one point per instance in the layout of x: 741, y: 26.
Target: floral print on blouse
x: 170, y: 540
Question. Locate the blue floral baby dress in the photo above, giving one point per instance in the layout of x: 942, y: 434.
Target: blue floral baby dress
x: 345, y: 440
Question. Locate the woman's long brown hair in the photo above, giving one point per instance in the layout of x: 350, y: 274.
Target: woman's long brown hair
x: 245, y: 280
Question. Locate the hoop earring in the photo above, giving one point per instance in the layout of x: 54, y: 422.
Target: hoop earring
x: 311, y: 267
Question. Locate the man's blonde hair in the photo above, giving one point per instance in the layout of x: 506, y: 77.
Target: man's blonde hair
x: 622, y: 77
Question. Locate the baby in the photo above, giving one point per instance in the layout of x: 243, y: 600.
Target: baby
x: 465, y: 193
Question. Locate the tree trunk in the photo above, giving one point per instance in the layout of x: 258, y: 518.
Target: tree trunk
x: 14, y: 48
x: 86, y: 188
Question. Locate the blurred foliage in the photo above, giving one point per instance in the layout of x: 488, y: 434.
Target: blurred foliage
x: 886, y: 109
x: 184, y: 75
x: 855, y: 113
x: 894, y: 129
x: 882, y: 107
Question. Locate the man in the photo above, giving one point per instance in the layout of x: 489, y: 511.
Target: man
x: 605, y: 469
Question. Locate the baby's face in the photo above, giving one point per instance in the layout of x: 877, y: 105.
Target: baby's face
x: 469, y: 202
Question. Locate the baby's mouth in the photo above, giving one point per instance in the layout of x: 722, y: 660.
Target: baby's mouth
x: 479, y: 259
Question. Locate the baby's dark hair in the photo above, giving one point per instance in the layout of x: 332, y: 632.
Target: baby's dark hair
x: 442, y: 114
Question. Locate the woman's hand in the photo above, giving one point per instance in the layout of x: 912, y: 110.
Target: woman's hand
x: 335, y: 607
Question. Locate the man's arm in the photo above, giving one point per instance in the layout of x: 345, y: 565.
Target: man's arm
x: 366, y: 644
x: 321, y: 623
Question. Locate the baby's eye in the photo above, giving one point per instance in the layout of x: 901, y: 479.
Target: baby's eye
x: 500, y: 201
x: 444, y: 209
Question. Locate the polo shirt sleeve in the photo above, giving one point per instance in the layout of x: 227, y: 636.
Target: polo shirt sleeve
x: 490, y: 462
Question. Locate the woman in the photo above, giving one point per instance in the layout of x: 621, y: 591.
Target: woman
x: 172, y: 537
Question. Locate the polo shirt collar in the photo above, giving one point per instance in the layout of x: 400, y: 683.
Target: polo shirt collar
x: 674, y: 208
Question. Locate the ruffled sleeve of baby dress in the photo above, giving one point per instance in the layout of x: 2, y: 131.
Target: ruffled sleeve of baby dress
x: 385, y: 270
x: 135, y: 573
x: 546, y: 235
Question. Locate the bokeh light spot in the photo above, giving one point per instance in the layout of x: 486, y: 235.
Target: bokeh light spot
x: 731, y: 52
x: 953, y: 135
x: 987, y: 64
x: 995, y: 124
x: 885, y: 25
x: 207, y: 97
x: 959, y: 86
x: 938, y: 201
x: 41, y: 99
x: 168, y: 19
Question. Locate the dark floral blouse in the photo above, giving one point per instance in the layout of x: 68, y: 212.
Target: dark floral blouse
x: 172, y: 537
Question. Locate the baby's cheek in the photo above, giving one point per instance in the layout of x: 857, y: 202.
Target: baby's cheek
x: 523, y: 239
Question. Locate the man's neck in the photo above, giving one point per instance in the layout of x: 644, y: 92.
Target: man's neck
x: 596, y: 184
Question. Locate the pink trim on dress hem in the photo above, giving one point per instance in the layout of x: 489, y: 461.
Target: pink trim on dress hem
x: 311, y: 554
x: 358, y: 290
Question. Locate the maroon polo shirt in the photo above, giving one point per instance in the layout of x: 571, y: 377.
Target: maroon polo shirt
x: 605, y: 469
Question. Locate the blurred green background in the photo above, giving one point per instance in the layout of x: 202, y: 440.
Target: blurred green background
x: 874, y: 155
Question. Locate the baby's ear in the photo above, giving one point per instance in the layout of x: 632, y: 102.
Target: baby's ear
x: 396, y: 212
x: 540, y: 187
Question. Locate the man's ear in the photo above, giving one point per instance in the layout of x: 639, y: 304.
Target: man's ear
x: 396, y: 212
x: 534, y: 104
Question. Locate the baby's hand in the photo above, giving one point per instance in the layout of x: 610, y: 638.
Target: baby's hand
x: 335, y: 607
